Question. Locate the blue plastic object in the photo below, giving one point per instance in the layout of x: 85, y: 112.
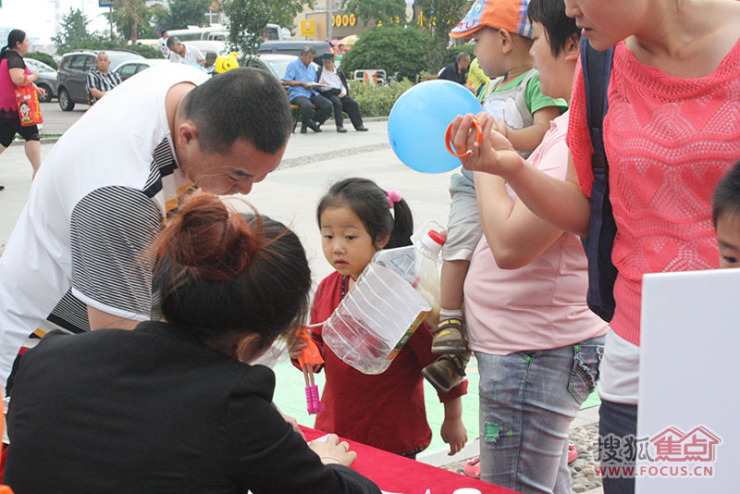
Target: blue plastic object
x: 419, y: 120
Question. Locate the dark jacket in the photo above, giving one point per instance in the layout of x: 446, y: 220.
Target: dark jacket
x: 152, y: 410
x: 453, y: 73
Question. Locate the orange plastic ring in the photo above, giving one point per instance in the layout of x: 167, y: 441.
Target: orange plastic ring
x: 451, y: 148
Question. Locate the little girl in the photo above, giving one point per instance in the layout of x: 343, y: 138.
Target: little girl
x: 357, y: 218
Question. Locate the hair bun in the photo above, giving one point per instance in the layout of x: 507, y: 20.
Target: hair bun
x: 209, y: 237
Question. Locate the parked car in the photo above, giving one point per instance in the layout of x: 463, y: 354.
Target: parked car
x: 47, y: 78
x: 73, y: 70
x: 294, y: 47
x: 131, y: 67
x: 275, y: 64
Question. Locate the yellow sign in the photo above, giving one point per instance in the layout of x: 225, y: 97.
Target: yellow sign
x: 352, y: 20
x: 345, y: 20
x: 308, y: 28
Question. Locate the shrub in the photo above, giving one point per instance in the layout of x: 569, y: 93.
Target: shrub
x: 377, y: 101
x: 42, y: 57
x: 107, y: 44
x: 397, y: 50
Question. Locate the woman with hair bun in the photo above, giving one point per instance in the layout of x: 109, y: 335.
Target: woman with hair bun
x: 175, y: 406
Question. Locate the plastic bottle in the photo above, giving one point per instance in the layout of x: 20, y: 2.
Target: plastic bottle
x: 388, y: 302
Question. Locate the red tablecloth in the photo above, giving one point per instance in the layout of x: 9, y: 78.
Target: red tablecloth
x: 397, y: 474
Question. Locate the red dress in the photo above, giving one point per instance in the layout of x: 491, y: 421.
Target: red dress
x: 385, y: 410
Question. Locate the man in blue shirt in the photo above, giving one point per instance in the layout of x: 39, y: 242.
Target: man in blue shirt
x: 300, y: 77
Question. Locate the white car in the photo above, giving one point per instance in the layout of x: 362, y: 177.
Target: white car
x: 273, y: 63
x: 132, y: 67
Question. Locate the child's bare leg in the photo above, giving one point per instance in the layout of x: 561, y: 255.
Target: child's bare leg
x: 449, y: 336
x: 452, y: 281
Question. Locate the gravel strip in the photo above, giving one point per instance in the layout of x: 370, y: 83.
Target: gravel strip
x: 582, y: 471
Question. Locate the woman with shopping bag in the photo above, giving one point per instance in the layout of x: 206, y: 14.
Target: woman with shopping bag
x: 17, y: 85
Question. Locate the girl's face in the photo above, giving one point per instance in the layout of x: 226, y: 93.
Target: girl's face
x: 556, y: 73
x: 606, y: 22
x: 346, y: 243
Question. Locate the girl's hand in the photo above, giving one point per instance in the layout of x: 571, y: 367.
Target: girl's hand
x: 40, y: 91
x: 332, y: 451
x: 494, y: 155
x: 453, y: 433
x: 296, y: 344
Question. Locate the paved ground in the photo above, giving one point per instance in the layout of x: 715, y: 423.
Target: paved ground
x: 312, y: 162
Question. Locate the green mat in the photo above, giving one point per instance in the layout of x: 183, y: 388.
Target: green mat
x: 290, y: 397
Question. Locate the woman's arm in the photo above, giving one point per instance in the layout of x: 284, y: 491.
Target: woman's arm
x: 560, y: 202
x: 515, y: 235
x: 18, y: 76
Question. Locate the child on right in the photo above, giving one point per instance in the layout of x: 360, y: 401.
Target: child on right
x: 726, y: 218
x: 503, y: 36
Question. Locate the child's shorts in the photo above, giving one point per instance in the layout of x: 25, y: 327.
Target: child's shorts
x: 463, y: 226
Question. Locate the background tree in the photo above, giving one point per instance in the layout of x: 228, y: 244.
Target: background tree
x: 387, y: 12
x: 74, y: 29
x: 397, y: 50
x: 133, y: 18
x: 246, y: 21
x: 183, y: 13
x: 439, y: 17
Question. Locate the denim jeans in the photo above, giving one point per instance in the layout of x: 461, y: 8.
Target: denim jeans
x: 620, y: 420
x: 527, y: 402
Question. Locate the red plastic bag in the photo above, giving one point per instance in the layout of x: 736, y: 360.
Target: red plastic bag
x: 29, y: 110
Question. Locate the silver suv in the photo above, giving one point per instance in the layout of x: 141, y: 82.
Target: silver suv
x: 73, y: 70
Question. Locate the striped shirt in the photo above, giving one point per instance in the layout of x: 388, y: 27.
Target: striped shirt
x: 91, y: 216
x: 101, y: 82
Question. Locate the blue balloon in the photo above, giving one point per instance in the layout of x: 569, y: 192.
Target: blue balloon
x: 419, y: 120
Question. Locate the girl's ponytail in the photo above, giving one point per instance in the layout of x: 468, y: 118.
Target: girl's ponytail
x: 403, y: 221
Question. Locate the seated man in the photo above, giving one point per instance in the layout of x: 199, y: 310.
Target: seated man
x: 300, y: 77
x: 99, y: 81
x: 182, y: 53
x: 457, y: 71
x: 336, y: 90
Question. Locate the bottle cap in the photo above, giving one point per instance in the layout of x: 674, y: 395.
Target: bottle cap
x: 432, y: 243
x: 436, y: 236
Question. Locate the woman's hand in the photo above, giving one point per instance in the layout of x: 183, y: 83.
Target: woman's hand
x: 453, y: 433
x: 293, y: 423
x: 494, y: 155
x: 332, y: 451
x: 40, y: 91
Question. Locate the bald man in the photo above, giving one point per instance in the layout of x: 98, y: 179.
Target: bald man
x: 100, y: 81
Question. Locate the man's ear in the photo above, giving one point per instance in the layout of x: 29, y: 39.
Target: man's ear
x: 504, y: 38
x: 572, y: 47
x: 186, y: 132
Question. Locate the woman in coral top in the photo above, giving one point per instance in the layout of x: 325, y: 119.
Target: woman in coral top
x: 671, y: 132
